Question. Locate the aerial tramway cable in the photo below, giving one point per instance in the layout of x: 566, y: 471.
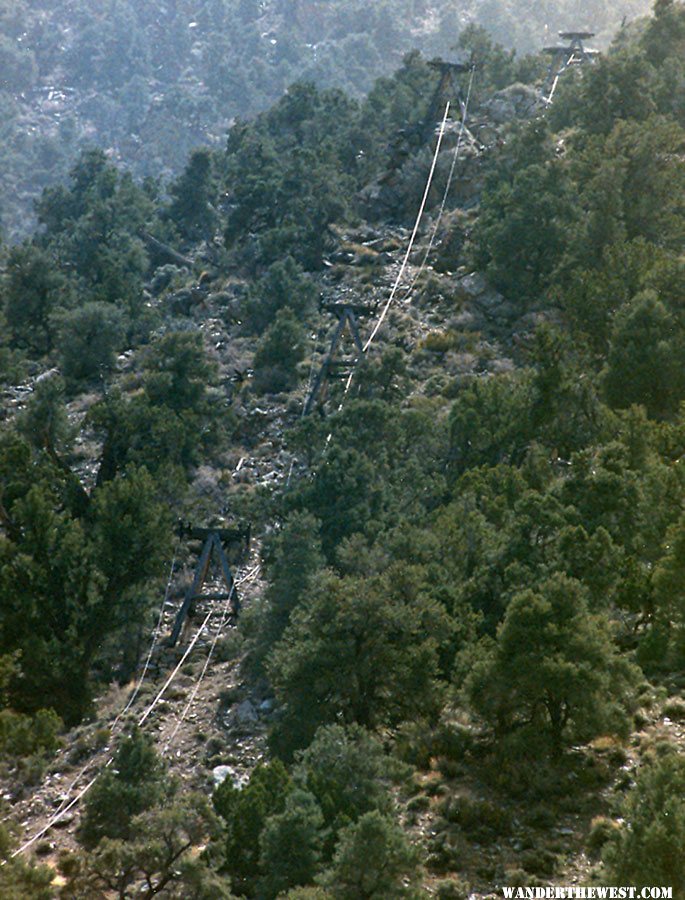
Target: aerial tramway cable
x: 410, y: 247
x: 134, y: 694
x: 143, y: 718
x: 414, y: 233
x: 188, y: 651
x: 448, y: 185
x: 224, y: 616
x: 548, y: 100
x: 155, y: 638
x: 405, y: 260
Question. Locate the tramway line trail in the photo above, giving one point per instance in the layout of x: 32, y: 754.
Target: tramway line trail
x: 67, y: 791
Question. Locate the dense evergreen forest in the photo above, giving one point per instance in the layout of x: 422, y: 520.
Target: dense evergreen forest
x: 149, y: 82
x: 460, y: 663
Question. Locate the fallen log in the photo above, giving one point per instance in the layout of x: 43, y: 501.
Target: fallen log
x: 165, y: 250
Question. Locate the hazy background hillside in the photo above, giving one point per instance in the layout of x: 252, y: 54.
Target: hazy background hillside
x: 459, y: 661
x: 147, y: 82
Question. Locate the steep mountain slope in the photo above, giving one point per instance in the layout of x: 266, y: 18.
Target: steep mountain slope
x: 464, y: 645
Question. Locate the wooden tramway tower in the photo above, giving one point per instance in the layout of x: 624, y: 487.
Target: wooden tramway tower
x: 446, y: 91
x: 217, y: 543
x: 564, y: 56
x: 336, y: 366
x: 412, y: 137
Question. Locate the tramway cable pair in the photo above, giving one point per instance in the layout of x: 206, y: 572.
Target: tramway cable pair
x: 573, y: 53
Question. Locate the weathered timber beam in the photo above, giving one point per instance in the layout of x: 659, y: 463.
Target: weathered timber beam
x: 166, y: 250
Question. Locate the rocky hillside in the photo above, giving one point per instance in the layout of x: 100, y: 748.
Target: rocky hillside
x: 461, y: 636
